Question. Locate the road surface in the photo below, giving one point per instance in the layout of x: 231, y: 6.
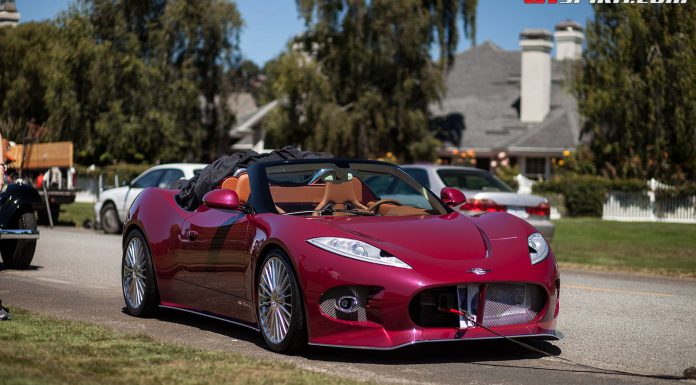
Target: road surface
x: 631, y: 323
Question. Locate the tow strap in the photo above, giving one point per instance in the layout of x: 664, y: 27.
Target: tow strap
x: 595, y: 369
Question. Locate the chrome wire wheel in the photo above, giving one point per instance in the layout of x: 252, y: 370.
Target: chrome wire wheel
x: 275, y: 300
x: 135, y: 273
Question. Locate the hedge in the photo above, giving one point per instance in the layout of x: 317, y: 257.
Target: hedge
x: 585, y: 194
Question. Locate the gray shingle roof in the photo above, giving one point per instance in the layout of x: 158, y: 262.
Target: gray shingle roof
x: 484, y: 87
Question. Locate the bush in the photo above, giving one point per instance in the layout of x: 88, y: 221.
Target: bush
x: 584, y: 194
x: 507, y: 174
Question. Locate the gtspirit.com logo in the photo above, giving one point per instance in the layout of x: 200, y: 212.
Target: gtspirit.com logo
x: 606, y: 1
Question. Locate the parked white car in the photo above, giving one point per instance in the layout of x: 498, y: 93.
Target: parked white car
x: 113, y: 204
x: 485, y: 193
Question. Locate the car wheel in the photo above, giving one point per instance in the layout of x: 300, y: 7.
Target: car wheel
x: 18, y: 253
x: 109, y: 219
x: 138, y: 277
x: 279, y: 305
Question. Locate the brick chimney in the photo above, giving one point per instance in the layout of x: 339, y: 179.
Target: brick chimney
x: 569, y: 38
x: 535, y: 84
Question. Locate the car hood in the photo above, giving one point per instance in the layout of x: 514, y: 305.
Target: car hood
x: 420, y: 239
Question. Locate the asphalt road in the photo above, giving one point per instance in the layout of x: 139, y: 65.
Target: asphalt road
x: 630, y: 323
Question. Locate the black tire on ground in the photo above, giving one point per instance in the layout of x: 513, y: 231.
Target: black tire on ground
x: 150, y: 299
x: 296, y: 338
x: 18, y: 253
x: 110, y: 222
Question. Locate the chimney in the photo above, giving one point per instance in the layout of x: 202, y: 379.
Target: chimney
x: 9, y: 17
x: 535, y: 99
x: 569, y: 38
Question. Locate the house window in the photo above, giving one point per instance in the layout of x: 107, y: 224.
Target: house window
x: 535, y: 167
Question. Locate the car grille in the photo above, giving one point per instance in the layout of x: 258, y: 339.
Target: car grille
x: 512, y: 304
x: 505, y: 304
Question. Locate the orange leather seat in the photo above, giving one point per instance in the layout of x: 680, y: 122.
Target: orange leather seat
x: 238, y: 184
x: 341, y: 194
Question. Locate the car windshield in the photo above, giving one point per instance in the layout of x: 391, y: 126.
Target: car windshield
x: 472, y: 180
x: 347, y: 189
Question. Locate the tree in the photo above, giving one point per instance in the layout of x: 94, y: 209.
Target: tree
x: 637, y: 91
x: 359, y: 82
x: 126, y: 80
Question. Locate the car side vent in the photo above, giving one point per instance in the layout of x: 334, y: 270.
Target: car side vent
x: 347, y: 303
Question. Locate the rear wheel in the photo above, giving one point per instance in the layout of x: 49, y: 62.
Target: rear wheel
x: 279, y: 305
x: 110, y: 221
x: 138, y: 277
x: 18, y: 253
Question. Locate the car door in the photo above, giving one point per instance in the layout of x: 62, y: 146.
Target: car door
x: 145, y: 180
x: 215, y: 257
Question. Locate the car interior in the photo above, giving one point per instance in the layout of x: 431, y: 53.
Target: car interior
x: 324, y: 194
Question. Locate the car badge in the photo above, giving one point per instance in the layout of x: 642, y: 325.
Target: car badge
x: 479, y: 271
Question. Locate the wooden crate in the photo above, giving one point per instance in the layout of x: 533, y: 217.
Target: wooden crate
x: 43, y: 155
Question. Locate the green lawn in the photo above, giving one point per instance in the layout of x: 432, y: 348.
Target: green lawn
x: 75, y: 214
x: 657, y: 248
x: 36, y: 349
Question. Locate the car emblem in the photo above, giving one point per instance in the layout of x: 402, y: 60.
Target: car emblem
x: 479, y: 271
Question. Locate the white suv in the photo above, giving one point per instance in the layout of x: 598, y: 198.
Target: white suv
x: 113, y: 204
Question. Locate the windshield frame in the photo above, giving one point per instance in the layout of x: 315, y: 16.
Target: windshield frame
x: 262, y: 201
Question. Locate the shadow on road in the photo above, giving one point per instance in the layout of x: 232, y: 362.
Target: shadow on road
x: 435, y: 353
x: 30, y: 268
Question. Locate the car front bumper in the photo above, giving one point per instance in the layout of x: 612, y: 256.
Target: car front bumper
x: 389, y: 322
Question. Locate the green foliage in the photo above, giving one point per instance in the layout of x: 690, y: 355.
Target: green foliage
x: 507, y: 174
x: 637, y: 91
x: 126, y: 80
x: 358, y: 83
x: 124, y: 171
x: 584, y: 194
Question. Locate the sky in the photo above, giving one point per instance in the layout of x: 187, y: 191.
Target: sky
x: 269, y: 24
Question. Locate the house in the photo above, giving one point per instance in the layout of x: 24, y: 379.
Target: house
x: 512, y: 106
x: 500, y: 106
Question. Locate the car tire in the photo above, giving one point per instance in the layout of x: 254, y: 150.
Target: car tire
x: 282, y: 332
x: 110, y: 222
x: 18, y: 253
x: 138, y: 283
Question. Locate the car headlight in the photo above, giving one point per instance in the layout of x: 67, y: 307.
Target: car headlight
x: 538, y: 248
x: 359, y: 250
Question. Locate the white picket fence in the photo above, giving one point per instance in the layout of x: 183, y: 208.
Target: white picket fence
x: 648, y: 207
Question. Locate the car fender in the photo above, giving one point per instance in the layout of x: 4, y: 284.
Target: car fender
x: 18, y: 197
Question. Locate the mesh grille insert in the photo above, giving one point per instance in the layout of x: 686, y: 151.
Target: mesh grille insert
x: 512, y: 304
x: 328, y: 302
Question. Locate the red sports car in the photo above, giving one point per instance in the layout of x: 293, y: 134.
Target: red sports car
x: 339, y: 253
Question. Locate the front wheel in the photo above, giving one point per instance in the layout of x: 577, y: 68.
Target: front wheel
x: 279, y: 305
x: 18, y: 253
x: 138, y: 277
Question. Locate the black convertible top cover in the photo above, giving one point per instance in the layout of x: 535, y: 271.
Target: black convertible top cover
x: 193, y: 190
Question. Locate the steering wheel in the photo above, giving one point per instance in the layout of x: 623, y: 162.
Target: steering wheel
x: 375, y: 206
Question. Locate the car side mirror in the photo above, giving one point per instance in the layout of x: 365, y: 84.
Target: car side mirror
x: 452, y: 197
x: 221, y: 199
